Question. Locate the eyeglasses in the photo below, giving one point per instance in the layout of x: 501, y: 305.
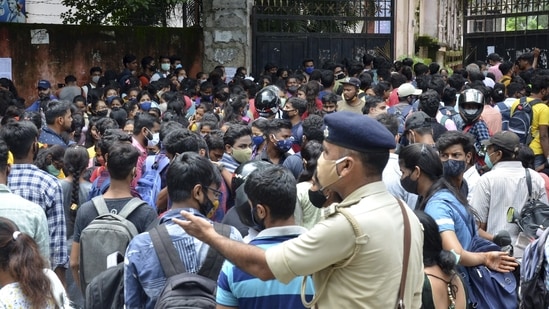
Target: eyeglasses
x: 217, y: 193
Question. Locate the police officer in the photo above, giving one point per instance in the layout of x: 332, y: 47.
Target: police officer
x: 356, y: 253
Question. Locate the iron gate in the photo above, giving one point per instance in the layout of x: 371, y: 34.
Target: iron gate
x: 507, y: 27
x: 286, y: 32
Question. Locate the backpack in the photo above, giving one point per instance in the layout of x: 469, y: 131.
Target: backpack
x: 486, y: 288
x: 534, y: 214
x: 447, y: 114
x: 505, y: 115
x: 401, y: 114
x: 106, y: 290
x: 183, y: 289
x: 97, y: 190
x: 107, y: 233
x: 150, y: 183
x: 520, y: 120
x: 533, y: 293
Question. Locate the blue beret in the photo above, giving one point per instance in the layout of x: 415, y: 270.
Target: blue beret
x: 357, y: 132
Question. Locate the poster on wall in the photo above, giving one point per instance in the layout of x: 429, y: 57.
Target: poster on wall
x: 12, y: 11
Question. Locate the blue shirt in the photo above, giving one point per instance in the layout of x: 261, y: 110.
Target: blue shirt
x: 448, y: 213
x: 50, y: 137
x: 144, y: 278
x: 39, y: 187
x: 236, y: 288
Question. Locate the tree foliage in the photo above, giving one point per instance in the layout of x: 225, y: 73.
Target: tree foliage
x: 119, y: 12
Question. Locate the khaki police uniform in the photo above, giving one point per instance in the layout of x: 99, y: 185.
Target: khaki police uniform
x: 372, y: 278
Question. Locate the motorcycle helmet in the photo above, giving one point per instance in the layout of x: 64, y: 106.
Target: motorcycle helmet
x: 471, y: 105
x: 241, y: 199
x: 267, y: 102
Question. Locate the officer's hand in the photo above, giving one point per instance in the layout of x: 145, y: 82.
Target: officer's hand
x: 196, y: 226
x: 500, y: 261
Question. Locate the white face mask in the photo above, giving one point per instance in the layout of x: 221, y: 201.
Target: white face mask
x: 165, y: 66
x: 154, y: 140
x: 180, y: 78
x: 470, y: 111
x: 95, y: 79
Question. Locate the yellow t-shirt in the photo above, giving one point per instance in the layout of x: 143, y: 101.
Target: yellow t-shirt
x: 540, y: 117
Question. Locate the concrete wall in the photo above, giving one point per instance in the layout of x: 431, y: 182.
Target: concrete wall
x: 227, y: 33
x: 405, y: 27
x: 64, y: 50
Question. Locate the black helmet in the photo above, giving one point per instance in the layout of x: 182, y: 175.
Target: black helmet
x: 267, y: 101
x: 239, y: 179
x: 471, y: 96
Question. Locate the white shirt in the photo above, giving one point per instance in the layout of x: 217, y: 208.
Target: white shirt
x: 471, y: 176
x: 503, y: 187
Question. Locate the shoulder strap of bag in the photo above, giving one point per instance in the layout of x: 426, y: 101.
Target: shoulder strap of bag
x: 132, y: 205
x: 100, y: 206
x: 167, y: 254
x: 529, y: 183
x: 359, y: 241
x: 407, y: 241
x: 214, y: 260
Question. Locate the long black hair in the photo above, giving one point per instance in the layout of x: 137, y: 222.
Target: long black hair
x: 426, y: 158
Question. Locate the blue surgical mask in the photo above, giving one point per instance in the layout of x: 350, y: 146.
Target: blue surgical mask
x: 487, y: 160
x: 258, y: 140
x: 309, y: 70
x: 146, y: 106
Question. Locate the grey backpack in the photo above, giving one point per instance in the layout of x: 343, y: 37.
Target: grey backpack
x: 183, y: 289
x: 106, y: 234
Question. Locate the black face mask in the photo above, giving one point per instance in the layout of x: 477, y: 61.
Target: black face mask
x: 409, y: 185
x: 339, y: 76
x: 285, y: 115
x: 206, y: 98
x: 222, y: 96
x: 102, y: 113
x: 317, y: 198
x: 292, y: 89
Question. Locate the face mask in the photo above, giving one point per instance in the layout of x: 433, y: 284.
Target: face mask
x: 285, y: 115
x: 208, y: 208
x: 206, y: 98
x: 292, y: 89
x: 284, y: 144
x: 95, y: 79
x: 53, y: 170
x: 153, y: 140
x: 329, y: 112
x: 470, y: 111
x: 453, y: 168
x: 326, y: 171
x: 165, y: 66
x: 309, y: 70
x: 242, y: 155
x: 259, y: 224
x: 485, y: 73
x: 409, y: 185
x: 317, y: 198
x: 145, y: 105
x: 110, y: 98
x: 282, y: 102
x: 180, y: 78
x: 340, y: 76
x: 258, y: 140
x: 488, y: 161
x: 102, y: 113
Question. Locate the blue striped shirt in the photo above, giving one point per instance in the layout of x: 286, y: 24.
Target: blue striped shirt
x: 236, y: 288
x: 144, y: 278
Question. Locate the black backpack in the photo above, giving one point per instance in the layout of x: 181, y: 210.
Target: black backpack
x: 106, y: 290
x: 533, y: 293
x: 520, y: 121
x: 183, y: 289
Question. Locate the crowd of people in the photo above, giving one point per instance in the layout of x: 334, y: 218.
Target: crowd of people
x: 308, y: 167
